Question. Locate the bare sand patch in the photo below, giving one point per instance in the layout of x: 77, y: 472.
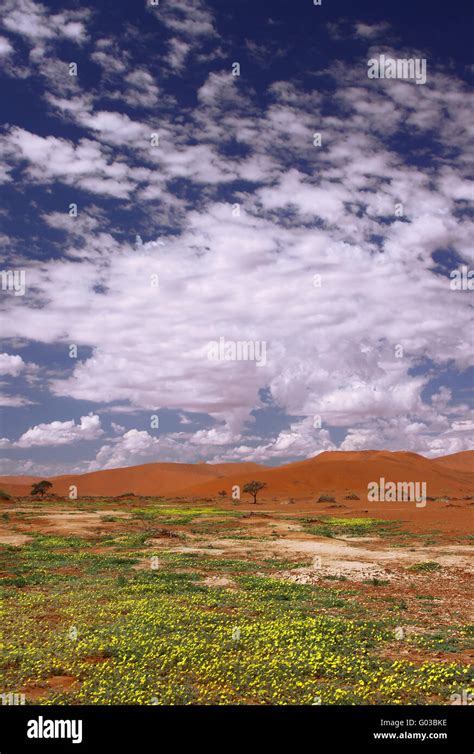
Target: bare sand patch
x: 341, y: 558
x: 71, y: 523
x: 7, y: 537
x: 219, y: 581
x: 59, y: 683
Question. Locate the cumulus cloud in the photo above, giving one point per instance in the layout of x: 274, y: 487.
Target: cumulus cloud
x: 301, y: 440
x: 11, y: 365
x: 134, y: 446
x: 254, y: 231
x: 61, y: 433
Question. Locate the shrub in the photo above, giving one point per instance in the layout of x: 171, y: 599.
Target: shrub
x: 426, y: 567
x: 326, y: 499
x: 352, y: 496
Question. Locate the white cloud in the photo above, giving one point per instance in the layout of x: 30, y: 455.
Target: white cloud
x: 178, y: 52
x: 116, y: 128
x: 31, y: 20
x: 11, y: 364
x: 331, y: 348
x: 301, y: 440
x: 368, y: 31
x: 6, y: 48
x: 141, y: 89
x: 85, y: 165
x: 134, y: 446
x: 191, y: 25
x: 14, y: 401
x: 61, y: 433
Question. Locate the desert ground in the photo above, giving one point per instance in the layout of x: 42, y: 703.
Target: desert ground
x: 311, y: 595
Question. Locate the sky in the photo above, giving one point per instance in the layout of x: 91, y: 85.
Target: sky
x: 223, y: 240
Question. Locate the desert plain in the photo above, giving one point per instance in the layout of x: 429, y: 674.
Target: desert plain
x: 156, y: 585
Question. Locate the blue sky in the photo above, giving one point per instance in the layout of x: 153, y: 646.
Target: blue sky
x: 238, y: 178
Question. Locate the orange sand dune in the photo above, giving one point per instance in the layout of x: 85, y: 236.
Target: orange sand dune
x: 17, y: 490
x: 18, y: 485
x: 336, y: 471
x: 165, y: 479
x: 20, y: 479
x: 332, y: 472
x: 463, y: 461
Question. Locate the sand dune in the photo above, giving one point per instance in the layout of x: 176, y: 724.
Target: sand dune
x: 333, y: 472
x: 20, y: 479
x: 463, y: 461
x: 338, y: 472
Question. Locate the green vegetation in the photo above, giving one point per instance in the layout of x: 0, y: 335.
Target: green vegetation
x: 426, y: 567
x: 129, y: 618
x: 162, y: 637
x: 376, y: 582
x: 329, y: 526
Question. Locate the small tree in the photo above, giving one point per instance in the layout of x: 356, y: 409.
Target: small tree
x: 222, y: 493
x: 41, y: 488
x: 253, y: 488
